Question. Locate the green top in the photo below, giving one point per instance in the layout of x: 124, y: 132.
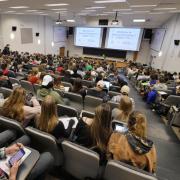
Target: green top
x: 88, y: 67
x: 43, y: 92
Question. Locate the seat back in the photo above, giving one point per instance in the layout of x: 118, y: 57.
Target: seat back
x: 88, y: 84
x: 79, y: 161
x: 73, y: 97
x: 113, y: 104
x: 87, y: 114
x: 115, y: 88
x: 113, y: 93
x: 27, y: 86
x: 122, y: 171
x: 6, y: 92
x: 173, y: 100
x: 66, y: 84
x: 92, y: 101
x: 36, y: 87
x: 7, y: 123
x: 64, y: 110
x: 14, y: 81
x: 45, y: 142
x: 176, y: 119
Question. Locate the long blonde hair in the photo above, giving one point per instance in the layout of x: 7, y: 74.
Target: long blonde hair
x: 100, y: 129
x: 137, y: 124
x: 13, y: 106
x: 48, y: 118
x: 125, y: 106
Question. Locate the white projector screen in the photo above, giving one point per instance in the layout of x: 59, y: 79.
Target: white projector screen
x: 124, y: 39
x: 158, y: 39
x: 88, y: 37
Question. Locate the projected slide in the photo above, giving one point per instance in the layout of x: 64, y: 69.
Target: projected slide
x: 124, y: 39
x: 88, y: 37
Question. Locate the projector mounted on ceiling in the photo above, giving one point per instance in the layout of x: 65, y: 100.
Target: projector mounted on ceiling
x: 115, y: 21
x: 59, y: 20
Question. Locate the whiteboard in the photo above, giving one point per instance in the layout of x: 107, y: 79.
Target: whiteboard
x: 60, y: 34
x: 158, y: 39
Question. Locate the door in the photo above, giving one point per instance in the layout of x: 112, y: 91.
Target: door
x: 62, y: 51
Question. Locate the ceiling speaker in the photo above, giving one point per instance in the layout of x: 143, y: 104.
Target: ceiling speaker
x: 176, y: 42
x: 14, y: 28
x: 37, y: 34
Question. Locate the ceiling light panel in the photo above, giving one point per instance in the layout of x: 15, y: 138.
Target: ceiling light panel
x: 139, y: 6
x: 139, y: 20
x: 168, y: 8
x: 53, y: 5
x: 102, y: 7
x: 109, y: 1
x: 19, y: 7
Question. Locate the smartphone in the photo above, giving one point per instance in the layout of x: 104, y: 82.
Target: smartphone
x: 119, y: 126
x: 16, y: 157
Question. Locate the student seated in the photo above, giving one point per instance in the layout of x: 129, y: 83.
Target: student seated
x: 123, y: 111
x: 15, y: 107
x: 57, y: 83
x: 47, y: 89
x: 78, y: 87
x: 14, y: 169
x: 4, y: 82
x: 160, y: 85
x: 33, y: 76
x: 38, y: 172
x: 125, y: 90
x: 49, y: 122
x: 133, y: 147
x: 98, y: 91
x: 95, y: 132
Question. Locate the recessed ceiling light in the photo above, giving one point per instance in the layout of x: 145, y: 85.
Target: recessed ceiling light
x: 60, y: 4
x: 159, y: 9
x: 19, y: 7
x: 122, y: 9
x: 146, y: 5
x: 139, y: 20
x: 62, y: 12
x: 31, y: 10
x: 109, y: 1
x: 89, y: 10
x: 38, y: 12
x: 141, y: 12
x: 10, y: 12
x: 103, y: 7
x: 71, y: 20
x: 3, y: 0
x: 60, y: 9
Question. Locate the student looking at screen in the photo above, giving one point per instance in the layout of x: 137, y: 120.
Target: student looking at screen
x: 133, y: 147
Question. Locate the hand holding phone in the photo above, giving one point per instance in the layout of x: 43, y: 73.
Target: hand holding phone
x: 15, y: 158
